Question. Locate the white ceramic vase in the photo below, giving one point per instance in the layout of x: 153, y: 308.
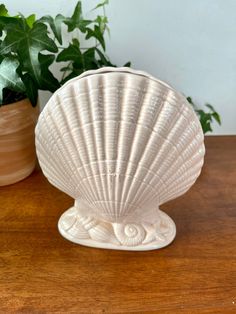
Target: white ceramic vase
x: 121, y: 143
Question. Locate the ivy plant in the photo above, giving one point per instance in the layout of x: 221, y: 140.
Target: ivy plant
x: 28, y: 47
x: 81, y: 55
x: 24, y: 62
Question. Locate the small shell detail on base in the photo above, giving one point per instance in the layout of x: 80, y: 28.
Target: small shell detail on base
x: 103, y: 233
x: 121, y: 143
x: 129, y: 234
x: 78, y: 231
x: 68, y: 222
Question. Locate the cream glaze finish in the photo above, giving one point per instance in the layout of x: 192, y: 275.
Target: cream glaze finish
x: 121, y: 143
x: 17, y: 147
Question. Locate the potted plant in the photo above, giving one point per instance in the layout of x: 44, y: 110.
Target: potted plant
x: 28, y: 47
x: 23, y: 71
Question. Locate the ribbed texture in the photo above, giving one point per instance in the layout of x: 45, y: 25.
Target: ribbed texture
x: 121, y: 140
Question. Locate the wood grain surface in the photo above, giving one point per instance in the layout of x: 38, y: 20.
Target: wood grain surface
x: 40, y: 272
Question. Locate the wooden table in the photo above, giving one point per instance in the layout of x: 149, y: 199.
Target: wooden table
x: 40, y: 272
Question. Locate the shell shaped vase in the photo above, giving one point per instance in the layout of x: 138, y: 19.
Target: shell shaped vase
x: 121, y: 143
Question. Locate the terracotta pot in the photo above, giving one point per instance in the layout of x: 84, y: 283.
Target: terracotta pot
x: 17, y: 147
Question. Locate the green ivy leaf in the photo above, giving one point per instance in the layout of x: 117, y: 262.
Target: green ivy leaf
x: 210, y: 107
x: 55, y: 25
x: 77, y: 21
x: 28, y: 43
x: 71, y: 53
x: 102, y: 23
x: 3, y: 10
x: 21, y: 36
x: 205, y: 120
x: 189, y: 99
x: 9, y: 78
x: 30, y: 20
x: 47, y: 81
x: 88, y: 60
x: 216, y: 116
x: 128, y: 64
x: 6, y: 20
x: 96, y: 33
x: 104, y: 61
x: 103, y: 58
x: 206, y: 126
x: 73, y: 74
x: 31, y: 88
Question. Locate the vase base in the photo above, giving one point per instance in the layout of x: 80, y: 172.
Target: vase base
x: 99, y: 234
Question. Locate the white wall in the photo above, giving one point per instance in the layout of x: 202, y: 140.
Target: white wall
x: 190, y: 44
